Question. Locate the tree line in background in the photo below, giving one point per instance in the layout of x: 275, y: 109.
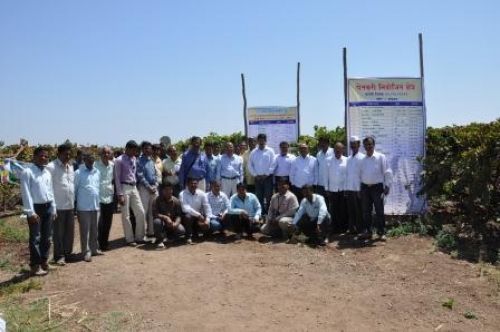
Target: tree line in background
x: 460, y: 179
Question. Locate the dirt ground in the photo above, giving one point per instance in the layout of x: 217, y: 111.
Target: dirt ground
x: 260, y: 285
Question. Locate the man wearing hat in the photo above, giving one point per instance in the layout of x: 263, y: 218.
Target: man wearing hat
x: 353, y: 186
x: 128, y: 195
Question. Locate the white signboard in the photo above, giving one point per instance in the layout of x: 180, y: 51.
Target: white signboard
x: 277, y: 122
x: 392, y: 110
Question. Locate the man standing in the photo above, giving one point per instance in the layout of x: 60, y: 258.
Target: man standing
x: 167, y: 214
x: 171, y: 167
x: 261, y: 165
x: 63, y: 176
x: 196, y: 210
x: 128, y: 195
x: 213, y: 163
x: 353, y: 185
x: 303, y: 171
x: 245, y: 211
x: 335, y: 189
x: 105, y: 166
x: 376, y: 179
x: 219, y: 205
x: 147, y: 184
x: 40, y: 208
x: 194, y: 165
x: 312, y: 218
x: 87, y: 183
x: 157, y: 151
x: 283, y: 206
x: 324, y: 152
x: 245, y: 151
x: 283, y: 164
x: 230, y: 170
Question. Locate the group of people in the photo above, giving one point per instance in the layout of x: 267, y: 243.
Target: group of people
x: 164, y: 198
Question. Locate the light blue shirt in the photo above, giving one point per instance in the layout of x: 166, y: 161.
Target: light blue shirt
x: 36, y: 188
x: 315, y: 209
x: 213, y: 165
x: 283, y: 164
x: 87, y: 183
x: 230, y: 167
x: 250, y: 204
x: 106, y: 190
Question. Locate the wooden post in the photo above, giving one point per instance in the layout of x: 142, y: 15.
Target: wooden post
x: 298, y: 99
x: 243, y: 91
x: 344, y: 61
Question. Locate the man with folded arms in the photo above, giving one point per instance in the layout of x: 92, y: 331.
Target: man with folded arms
x: 245, y: 150
x: 105, y: 166
x: 230, y: 170
x: 63, y: 176
x: 87, y: 183
x: 376, y: 179
x: 167, y: 214
x: 196, y: 210
x: 312, y: 218
x: 128, y: 195
x: 40, y: 208
x: 283, y: 206
x: 244, y: 212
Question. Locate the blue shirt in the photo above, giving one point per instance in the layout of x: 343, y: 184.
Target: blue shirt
x: 314, y: 209
x: 230, y: 167
x: 213, y: 164
x: 146, y: 172
x: 198, y: 170
x: 87, y: 183
x: 250, y: 204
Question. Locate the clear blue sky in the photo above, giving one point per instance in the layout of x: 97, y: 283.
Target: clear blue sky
x: 103, y: 72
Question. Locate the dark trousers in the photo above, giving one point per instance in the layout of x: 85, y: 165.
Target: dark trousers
x: 309, y: 227
x: 63, y: 233
x: 241, y: 224
x: 373, y: 197
x: 251, y: 188
x: 105, y: 220
x: 162, y: 231
x: 297, y: 192
x: 40, y: 235
x: 193, y: 226
x: 339, y: 211
x: 264, y: 191
x: 354, y: 210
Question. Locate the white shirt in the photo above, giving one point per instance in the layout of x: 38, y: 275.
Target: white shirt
x: 195, y: 205
x: 36, y: 188
x: 314, y: 209
x: 336, y: 173
x: 63, y: 177
x: 323, y: 167
x: 283, y: 164
x: 303, y: 171
x: 261, y: 162
x: 375, y: 169
x: 353, y: 181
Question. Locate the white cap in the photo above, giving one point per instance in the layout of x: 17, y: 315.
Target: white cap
x: 354, y: 139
